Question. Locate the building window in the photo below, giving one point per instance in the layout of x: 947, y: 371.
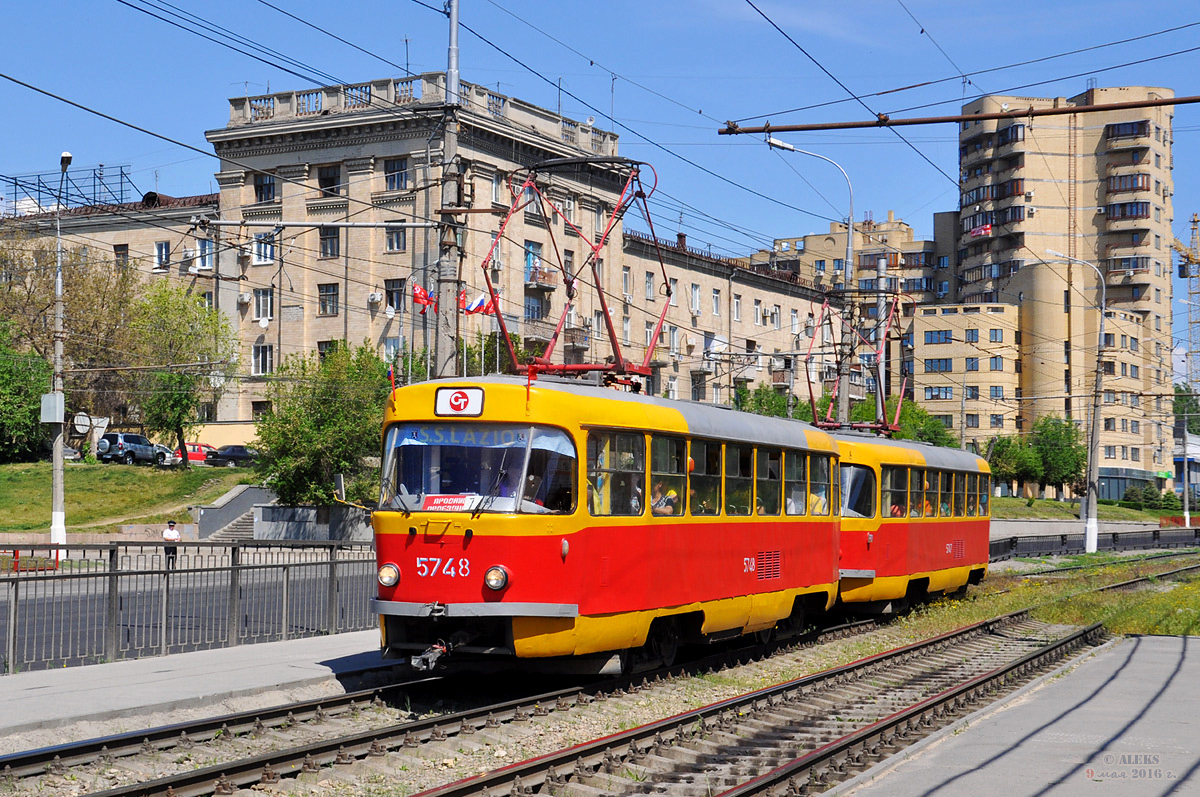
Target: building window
x: 162, y: 255
x: 259, y: 409
x: 972, y: 391
x: 996, y: 392
x: 391, y: 349
x: 997, y: 421
x: 324, y: 347
x: 264, y: 303
x: 625, y: 323
x: 938, y: 393
x: 393, y: 294
x: 626, y: 280
x: 264, y: 188
x: 1110, y: 452
x: 263, y: 359
x: 995, y: 363
x: 264, y: 248
x: 206, y: 254
x: 649, y: 329
x: 716, y: 301
x: 498, y: 189
x: 758, y: 313
x: 737, y: 307
x: 819, y: 265
x: 569, y: 209
x: 207, y: 298
x: 327, y: 298
x: 933, y: 336
x: 330, y: 242
x: 972, y: 363
x: 329, y: 180
x: 795, y: 322
x: 396, y: 238
x: 673, y: 284
x: 972, y: 421
x: 995, y: 336
x: 939, y: 365
x: 695, y: 302
x: 971, y: 336
x: 649, y: 285
x: 395, y: 174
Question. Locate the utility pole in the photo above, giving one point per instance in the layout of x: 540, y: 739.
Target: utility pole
x: 881, y: 337
x: 54, y: 403
x: 448, y: 249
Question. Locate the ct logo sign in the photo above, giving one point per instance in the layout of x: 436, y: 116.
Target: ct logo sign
x: 459, y: 401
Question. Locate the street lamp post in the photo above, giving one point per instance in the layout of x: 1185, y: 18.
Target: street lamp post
x: 58, y: 513
x: 843, y: 387
x: 1091, y: 526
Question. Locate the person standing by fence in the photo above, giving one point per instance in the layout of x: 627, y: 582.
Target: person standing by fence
x: 171, y: 538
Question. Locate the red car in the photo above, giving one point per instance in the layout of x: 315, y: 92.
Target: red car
x: 197, y: 452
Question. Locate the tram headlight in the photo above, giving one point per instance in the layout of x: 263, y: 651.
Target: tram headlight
x: 496, y: 577
x: 389, y: 575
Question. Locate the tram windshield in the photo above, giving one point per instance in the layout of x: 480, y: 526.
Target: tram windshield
x: 858, y: 491
x: 478, y: 467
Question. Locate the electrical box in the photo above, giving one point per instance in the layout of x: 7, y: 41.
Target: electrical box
x: 54, y: 407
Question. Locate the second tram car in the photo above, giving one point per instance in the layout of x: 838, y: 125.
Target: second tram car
x: 594, y: 530
x: 914, y: 521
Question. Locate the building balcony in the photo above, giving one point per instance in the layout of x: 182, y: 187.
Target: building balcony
x: 1127, y: 271
x: 1128, y: 142
x: 540, y: 278
x: 538, y: 330
x: 576, y: 338
x: 781, y: 378
x: 1126, y: 224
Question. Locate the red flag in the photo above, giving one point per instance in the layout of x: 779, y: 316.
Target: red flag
x: 422, y: 297
x: 462, y: 299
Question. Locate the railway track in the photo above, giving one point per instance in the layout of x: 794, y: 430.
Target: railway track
x: 260, y: 747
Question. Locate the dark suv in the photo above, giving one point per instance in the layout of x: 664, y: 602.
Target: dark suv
x: 125, y: 447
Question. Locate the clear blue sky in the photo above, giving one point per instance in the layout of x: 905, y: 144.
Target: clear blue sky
x: 669, y: 72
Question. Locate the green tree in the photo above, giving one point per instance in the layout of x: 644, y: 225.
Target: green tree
x: 98, y: 305
x: 1060, y: 446
x: 1186, y: 404
x: 1014, y: 459
x: 763, y: 400
x: 915, y: 423
x: 1151, y: 497
x: 325, y: 418
x: 24, y: 377
x: 177, y: 330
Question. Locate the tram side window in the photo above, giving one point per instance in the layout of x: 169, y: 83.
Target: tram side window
x: 795, y: 482
x: 668, y: 475
x: 739, y: 479
x: 858, y: 491
x: 972, y: 493
x: 931, y: 493
x: 895, y: 490
x: 985, y: 492
x: 916, y: 494
x: 616, y: 473
x: 947, y: 493
x: 820, y: 502
x: 960, y: 494
x: 704, y: 497
x: 769, y: 482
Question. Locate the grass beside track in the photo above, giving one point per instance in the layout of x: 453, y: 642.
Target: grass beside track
x: 1017, y: 509
x: 101, y: 497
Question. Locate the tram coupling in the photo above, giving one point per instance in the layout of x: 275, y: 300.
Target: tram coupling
x: 426, y: 661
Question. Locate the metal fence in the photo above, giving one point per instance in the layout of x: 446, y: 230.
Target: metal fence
x: 69, y: 605
x: 1055, y: 544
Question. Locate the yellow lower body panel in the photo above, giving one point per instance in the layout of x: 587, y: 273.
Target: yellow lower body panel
x: 536, y: 637
x: 860, y: 590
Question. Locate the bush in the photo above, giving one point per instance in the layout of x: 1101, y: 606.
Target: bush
x: 1151, y: 497
x: 1172, y: 501
x: 1132, y: 493
x: 1131, y: 505
x: 1106, y: 502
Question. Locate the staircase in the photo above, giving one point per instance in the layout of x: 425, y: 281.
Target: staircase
x: 240, y: 530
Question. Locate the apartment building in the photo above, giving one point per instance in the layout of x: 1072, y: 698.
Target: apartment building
x: 1035, y: 200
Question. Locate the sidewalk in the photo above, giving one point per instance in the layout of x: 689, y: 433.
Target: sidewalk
x: 52, y: 698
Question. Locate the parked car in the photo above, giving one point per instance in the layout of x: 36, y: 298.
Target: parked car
x: 231, y: 456
x: 196, y: 452
x: 125, y: 447
x: 165, y: 456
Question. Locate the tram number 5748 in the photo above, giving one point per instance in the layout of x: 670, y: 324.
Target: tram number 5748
x: 748, y: 564
x: 429, y: 566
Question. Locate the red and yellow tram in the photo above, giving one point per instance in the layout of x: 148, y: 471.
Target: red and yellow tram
x: 914, y: 520
x: 591, y: 529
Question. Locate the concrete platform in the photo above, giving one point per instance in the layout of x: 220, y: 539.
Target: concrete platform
x: 1125, y: 721
x: 52, y: 698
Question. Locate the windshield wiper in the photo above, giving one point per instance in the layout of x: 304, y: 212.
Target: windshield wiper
x: 494, y: 489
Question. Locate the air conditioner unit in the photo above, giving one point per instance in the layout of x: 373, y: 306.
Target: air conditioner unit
x: 1028, y: 196
x: 244, y: 298
x: 1100, y: 210
x: 628, y: 298
x: 375, y: 297
x: 1031, y: 210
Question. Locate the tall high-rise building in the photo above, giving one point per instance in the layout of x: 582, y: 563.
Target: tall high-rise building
x: 1039, y: 194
